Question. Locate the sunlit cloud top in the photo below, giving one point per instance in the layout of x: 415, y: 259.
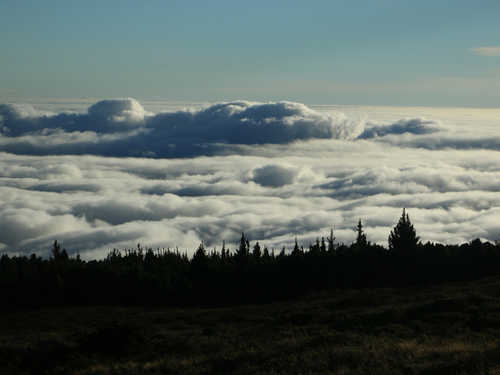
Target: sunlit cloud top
x: 122, y: 127
x: 115, y: 175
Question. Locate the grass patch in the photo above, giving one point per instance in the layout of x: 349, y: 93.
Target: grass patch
x: 447, y: 329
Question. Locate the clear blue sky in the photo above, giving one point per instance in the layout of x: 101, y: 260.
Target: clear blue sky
x: 362, y: 52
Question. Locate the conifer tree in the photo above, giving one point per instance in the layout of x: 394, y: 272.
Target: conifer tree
x: 223, y: 252
x: 265, y: 256
x: 56, y: 251
x: 323, y: 245
x: 331, y: 244
x: 200, y: 257
x: 296, y: 250
x: 64, y: 255
x: 361, y: 241
x: 404, y: 236
x: 243, y: 252
x: 257, y: 252
x: 315, y: 249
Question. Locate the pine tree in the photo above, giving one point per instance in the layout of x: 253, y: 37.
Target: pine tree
x: 56, y: 251
x: 296, y: 250
x: 200, y: 257
x: 404, y: 236
x: 282, y: 253
x: 331, y: 243
x: 361, y: 242
x: 223, y: 253
x: 257, y: 252
x: 242, y: 254
x: 323, y: 246
x: 265, y: 256
x: 315, y: 249
x: 64, y: 255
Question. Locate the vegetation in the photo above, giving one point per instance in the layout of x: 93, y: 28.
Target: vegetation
x: 249, y: 275
x: 404, y: 237
x: 446, y: 329
x: 411, y: 309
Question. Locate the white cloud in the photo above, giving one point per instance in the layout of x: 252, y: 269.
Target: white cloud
x: 446, y: 175
x: 121, y: 127
x: 486, y: 51
x: 417, y: 126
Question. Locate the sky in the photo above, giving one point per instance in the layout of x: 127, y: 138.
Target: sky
x: 169, y: 123
x: 442, y: 53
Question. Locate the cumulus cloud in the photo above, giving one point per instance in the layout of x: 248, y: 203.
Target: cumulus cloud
x: 405, y: 125
x: 325, y: 171
x: 121, y: 127
x: 107, y: 116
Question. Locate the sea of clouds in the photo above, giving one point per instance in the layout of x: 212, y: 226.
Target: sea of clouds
x: 115, y: 175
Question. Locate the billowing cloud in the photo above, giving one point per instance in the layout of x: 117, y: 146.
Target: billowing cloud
x: 256, y: 123
x: 121, y: 127
x: 107, y: 116
x: 405, y: 125
x: 274, y: 171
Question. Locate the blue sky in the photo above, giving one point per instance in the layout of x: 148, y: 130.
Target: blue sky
x: 359, y: 52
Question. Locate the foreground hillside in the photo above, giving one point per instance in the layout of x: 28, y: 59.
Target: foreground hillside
x: 446, y: 329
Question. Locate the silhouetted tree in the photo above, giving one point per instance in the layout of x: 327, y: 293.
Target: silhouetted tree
x: 323, y: 245
x: 296, y: 250
x: 282, y: 253
x: 64, y: 255
x: 265, y: 256
x: 315, y: 249
x: 56, y: 251
x: 242, y: 254
x: 257, y: 252
x: 361, y: 242
x: 223, y: 253
x: 403, y: 237
x: 331, y: 244
x: 200, y: 256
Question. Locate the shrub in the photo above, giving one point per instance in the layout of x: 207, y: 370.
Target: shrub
x: 116, y: 340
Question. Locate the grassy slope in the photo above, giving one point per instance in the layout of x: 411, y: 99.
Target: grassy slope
x: 447, y: 329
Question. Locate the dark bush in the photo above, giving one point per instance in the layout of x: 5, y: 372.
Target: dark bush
x: 116, y: 340
x: 209, y: 332
x: 46, y: 355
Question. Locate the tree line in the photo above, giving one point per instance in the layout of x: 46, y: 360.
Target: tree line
x: 250, y: 274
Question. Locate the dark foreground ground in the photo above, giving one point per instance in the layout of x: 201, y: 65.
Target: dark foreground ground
x: 447, y: 329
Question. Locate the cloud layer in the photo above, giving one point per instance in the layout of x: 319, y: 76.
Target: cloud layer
x: 122, y: 127
x: 275, y: 171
